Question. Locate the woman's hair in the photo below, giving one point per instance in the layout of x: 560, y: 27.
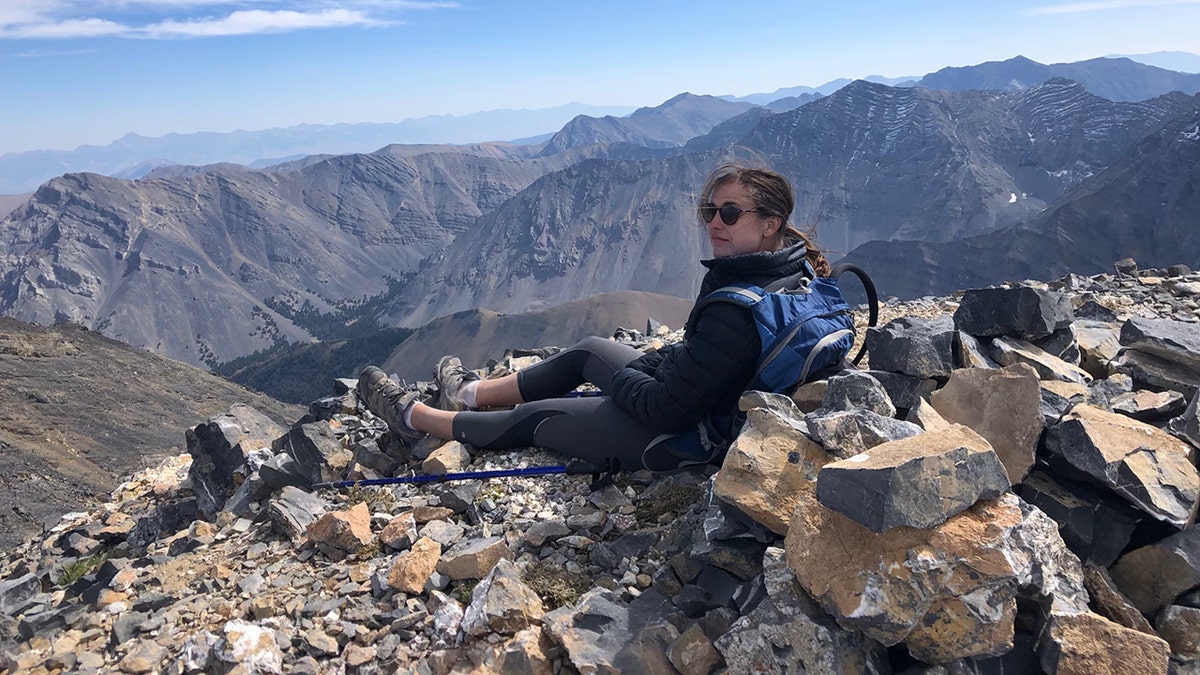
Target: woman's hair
x: 773, y: 196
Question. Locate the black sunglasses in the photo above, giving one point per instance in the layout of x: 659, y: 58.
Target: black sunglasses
x: 730, y: 213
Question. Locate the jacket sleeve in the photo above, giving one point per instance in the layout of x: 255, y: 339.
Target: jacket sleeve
x: 719, y: 355
x: 650, y: 361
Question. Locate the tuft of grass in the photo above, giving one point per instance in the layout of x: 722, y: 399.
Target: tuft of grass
x: 555, y: 585
x: 463, y: 590
x: 376, y: 499
x: 490, y: 490
x: 669, y: 499
x: 371, y: 550
x: 82, y: 566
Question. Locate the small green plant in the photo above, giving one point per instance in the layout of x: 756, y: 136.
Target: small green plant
x: 463, y: 590
x: 76, y: 570
x: 375, y: 499
x: 371, y: 550
x: 490, y: 490
x: 555, y: 585
x: 670, y: 499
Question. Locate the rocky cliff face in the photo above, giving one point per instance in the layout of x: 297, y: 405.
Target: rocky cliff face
x: 1008, y: 489
x: 597, y: 226
x: 876, y: 162
x: 1145, y: 205
x: 186, y: 266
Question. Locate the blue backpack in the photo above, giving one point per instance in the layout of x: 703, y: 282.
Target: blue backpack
x: 803, y: 330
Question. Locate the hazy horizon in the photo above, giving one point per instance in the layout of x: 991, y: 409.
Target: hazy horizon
x: 78, y: 72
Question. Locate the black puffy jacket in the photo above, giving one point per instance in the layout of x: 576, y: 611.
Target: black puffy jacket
x: 670, y: 390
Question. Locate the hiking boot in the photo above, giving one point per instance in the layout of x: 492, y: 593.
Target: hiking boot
x: 449, y: 375
x: 388, y: 401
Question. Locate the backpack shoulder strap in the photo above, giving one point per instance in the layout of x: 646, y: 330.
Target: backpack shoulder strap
x: 872, y: 299
x: 746, y: 295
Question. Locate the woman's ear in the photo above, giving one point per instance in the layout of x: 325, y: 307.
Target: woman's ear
x: 773, y: 225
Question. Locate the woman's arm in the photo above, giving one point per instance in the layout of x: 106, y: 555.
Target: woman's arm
x: 719, y: 356
x: 650, y: 361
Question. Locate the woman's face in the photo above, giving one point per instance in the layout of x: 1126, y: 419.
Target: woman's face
x: 752, y: 232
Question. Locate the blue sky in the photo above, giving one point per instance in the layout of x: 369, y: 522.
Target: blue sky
x: 89, y: 71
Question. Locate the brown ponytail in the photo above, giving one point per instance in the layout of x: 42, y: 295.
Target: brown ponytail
x: 816, y: 257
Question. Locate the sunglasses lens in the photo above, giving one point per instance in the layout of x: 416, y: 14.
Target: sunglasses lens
x: 730, y: 214
x: 707, y: 212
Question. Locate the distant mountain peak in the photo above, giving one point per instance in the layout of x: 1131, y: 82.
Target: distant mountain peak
x: 681, y: 97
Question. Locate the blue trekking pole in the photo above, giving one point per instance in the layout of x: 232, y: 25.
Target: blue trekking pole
x: 575, y: 467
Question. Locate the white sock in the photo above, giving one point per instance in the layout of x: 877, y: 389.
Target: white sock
x: 467, y: 393
x: 408, y: 411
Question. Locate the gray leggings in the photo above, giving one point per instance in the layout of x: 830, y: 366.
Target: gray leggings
x: 590, y: 427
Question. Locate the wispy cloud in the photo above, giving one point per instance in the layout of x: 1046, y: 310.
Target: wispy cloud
x: 49, y: 53
x: 170, y: 19
x: 249, y: 22
x: 1102, y: 5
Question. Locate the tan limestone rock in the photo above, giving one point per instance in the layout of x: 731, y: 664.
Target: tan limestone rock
x: 124, y: 579
x: 1002, y: 405
x: 949, y: 592
x: 426, y: 514
x: 1087, y: 644
x: 767, y: 467
x: 1145, y: 465
x: 926, y: 416
x: 526, y: 652
x: 411, y: 569
x: 356, y: 656
x: 809, y: 395
x: 1154, y: 575
x: 918, y: 481
x: 1066, y: 390
x: 1099, y: 343
x: 473, y: 559
x: 449, y: 458
x: 1110, y: 602
x: 692, y: 653
x: 143, y: 656
x: 502, y: 603
x: 400, y: 531
x: 346, y: 530
x: 1010, y: 351
x: 107, y: 597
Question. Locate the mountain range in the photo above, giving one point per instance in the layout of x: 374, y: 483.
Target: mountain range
x: 869, y: 162
x: 1117, y: 79
x: 133, y: 156
x: 926, y: 187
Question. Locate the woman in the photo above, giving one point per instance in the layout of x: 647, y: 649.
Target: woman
x: 659, y: 410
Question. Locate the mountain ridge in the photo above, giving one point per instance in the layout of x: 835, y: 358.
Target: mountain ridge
x: 24, y: 171
x: 79, y: 410
x: 597, y: 224
x: 1108, y: 217
x: 214, y: 263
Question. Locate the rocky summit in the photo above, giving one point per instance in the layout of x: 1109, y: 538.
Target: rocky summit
x: 1011, y: 487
